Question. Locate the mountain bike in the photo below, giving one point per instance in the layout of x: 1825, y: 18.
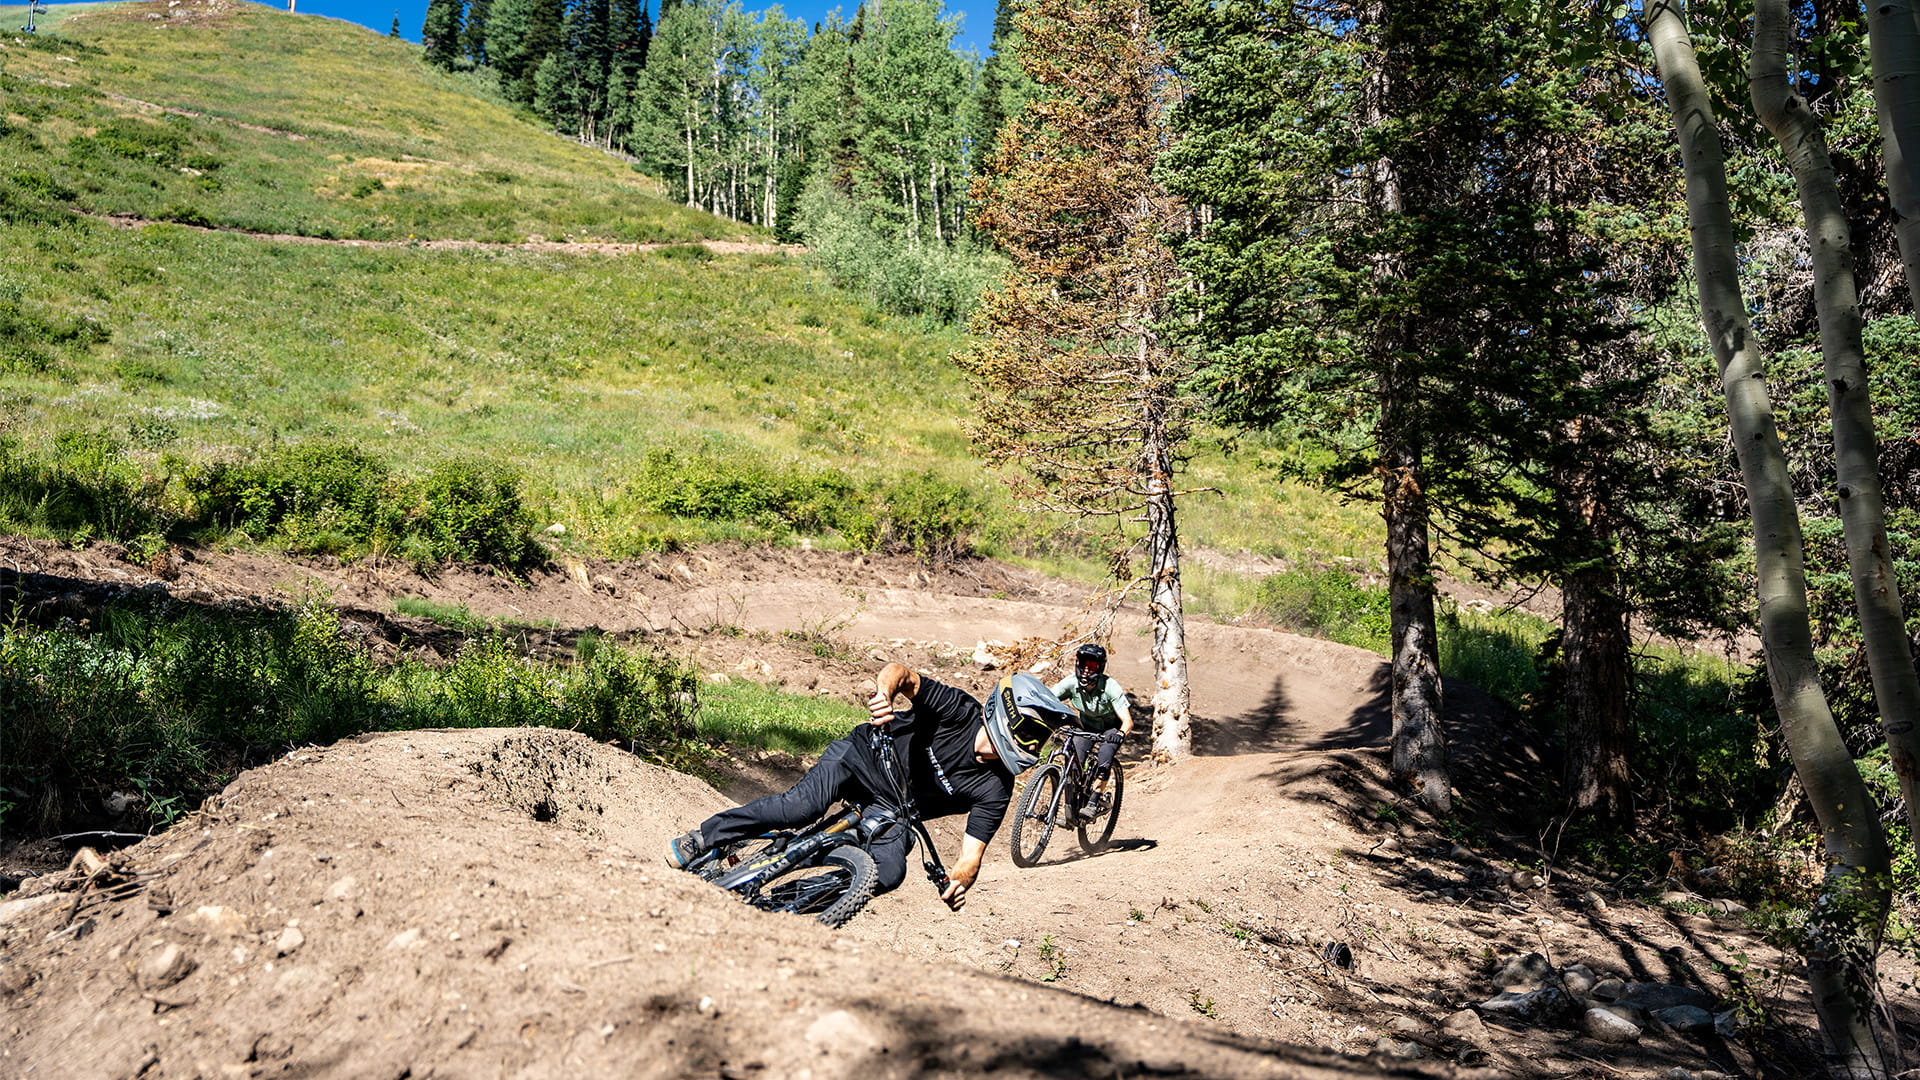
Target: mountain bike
x: 1054, y: 793
x: 824, y: 869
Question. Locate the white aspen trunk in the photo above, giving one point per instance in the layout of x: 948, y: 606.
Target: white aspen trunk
x: 1849, y: 829
x: 692, y: 199
x: 933, y: 191
x: 1893, y: 28
x: 1876, y: 593
x: 1172, y: 692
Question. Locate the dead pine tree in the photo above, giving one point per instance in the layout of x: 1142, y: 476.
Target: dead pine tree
x: 1075, y: 380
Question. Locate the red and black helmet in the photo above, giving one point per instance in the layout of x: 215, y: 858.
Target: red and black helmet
x: 1089, y: 663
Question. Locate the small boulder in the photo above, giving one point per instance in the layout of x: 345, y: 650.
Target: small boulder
x: 1529, y: 972
x: 1400, y: 1048
x: 1608, y: 990
x: 1656, y: 996
x: 1608, y: 1026
x: 1549, y: 1005
x: 165, y: 966
x: 1690, y: 1019
x: 1465, y: 1025
x: 1578, y: 979
x: 289, y: 942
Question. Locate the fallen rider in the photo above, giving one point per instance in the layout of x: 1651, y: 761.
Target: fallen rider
x: 961, y: 757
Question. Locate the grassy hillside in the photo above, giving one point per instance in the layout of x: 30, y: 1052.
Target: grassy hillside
x: 229, y: 113
x: 137, y: 358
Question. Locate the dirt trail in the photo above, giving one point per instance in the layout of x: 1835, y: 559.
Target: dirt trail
x: 570, y: 247
x: 491, y: 903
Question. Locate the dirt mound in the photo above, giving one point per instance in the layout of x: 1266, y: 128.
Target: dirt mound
x: 476, y: 903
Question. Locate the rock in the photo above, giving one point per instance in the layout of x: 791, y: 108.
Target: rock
x: 1594, y: 900
x: 219, y: 922
x: 407, y: 939
x: 1726, y: 907
x: 1525, y: 879
x: 1578, y: 979
x: 342, y: 889
x: 1656, y: 996
x: 1529, y: 972
x: 842, y: 1032
x: 1549, y: 1005
x: 984, y: 657
x: 1407, y: 1024
x: 14, y: 910
x: 165, y: 966
x: 1727, y: 1024
x: 1688, y: 1018
x: 1608, y: 990
x: 290, y: 941
x: 1400, y: 1048
x: 1674, y: 896
x: 1608, y: 1026
x: 1467, y: 1025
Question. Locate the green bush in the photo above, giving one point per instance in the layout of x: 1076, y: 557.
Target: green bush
x: 316, y: 498
x: 1330, y: 603
x: 934, y: 280
x: 473, y: 511
x: 170, y: 700
x: 334, y: 499
x: 926, y: 515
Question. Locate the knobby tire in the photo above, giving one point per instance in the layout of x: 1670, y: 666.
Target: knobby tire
x: 1094, y: 840
x: 832, y: 892
x: 1033, y: 825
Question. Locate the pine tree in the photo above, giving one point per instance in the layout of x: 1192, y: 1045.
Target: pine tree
x: 394, y: 30
x: 520, y: 34
x: 1075, y: 378
x: 473, y: 37
x: 440, y: 33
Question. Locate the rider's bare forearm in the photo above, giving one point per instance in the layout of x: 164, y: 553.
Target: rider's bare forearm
x: 896, y: 679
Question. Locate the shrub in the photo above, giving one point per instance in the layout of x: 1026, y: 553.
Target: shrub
x: 317, y: 498
x: 926, y: 515
x: 171, y: 699
x: 1331, y: 603
x: 473, y: 511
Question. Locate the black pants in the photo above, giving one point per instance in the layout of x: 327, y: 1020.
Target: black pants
x: 836, y: 776
x: 1109, y: 745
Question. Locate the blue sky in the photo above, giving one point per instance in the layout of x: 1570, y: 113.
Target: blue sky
x: 976, y: 26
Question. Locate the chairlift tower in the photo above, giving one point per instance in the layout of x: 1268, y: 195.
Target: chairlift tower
x: 34, y: 7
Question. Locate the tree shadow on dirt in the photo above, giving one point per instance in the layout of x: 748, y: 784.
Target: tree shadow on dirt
x: 944, y: 1042
x: 1273, y: 726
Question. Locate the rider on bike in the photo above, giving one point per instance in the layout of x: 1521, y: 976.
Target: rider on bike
x: 960, y: 757
x: 1103, y: 709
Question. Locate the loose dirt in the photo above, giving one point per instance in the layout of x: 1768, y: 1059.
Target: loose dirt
x: 493, y: 904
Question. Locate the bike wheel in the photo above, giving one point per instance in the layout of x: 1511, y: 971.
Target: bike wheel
x: 1095, y: 835
x: 1033, y: 825
x: 832, y: 892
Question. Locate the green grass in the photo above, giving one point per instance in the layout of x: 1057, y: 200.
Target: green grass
x: 263, y: 120
x: 454, y: 616
x: 753, y: 714
x: 186, y: 350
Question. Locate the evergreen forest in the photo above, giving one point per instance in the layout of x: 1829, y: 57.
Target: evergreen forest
x: 1606, y: 305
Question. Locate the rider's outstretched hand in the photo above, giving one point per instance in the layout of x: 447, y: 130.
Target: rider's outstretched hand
x: 956, y: 895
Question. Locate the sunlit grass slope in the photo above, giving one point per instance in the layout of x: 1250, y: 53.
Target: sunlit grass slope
x: 228, y: 113
x: 185, y: 347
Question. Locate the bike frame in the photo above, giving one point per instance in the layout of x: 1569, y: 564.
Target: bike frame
x: 855, y: 824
